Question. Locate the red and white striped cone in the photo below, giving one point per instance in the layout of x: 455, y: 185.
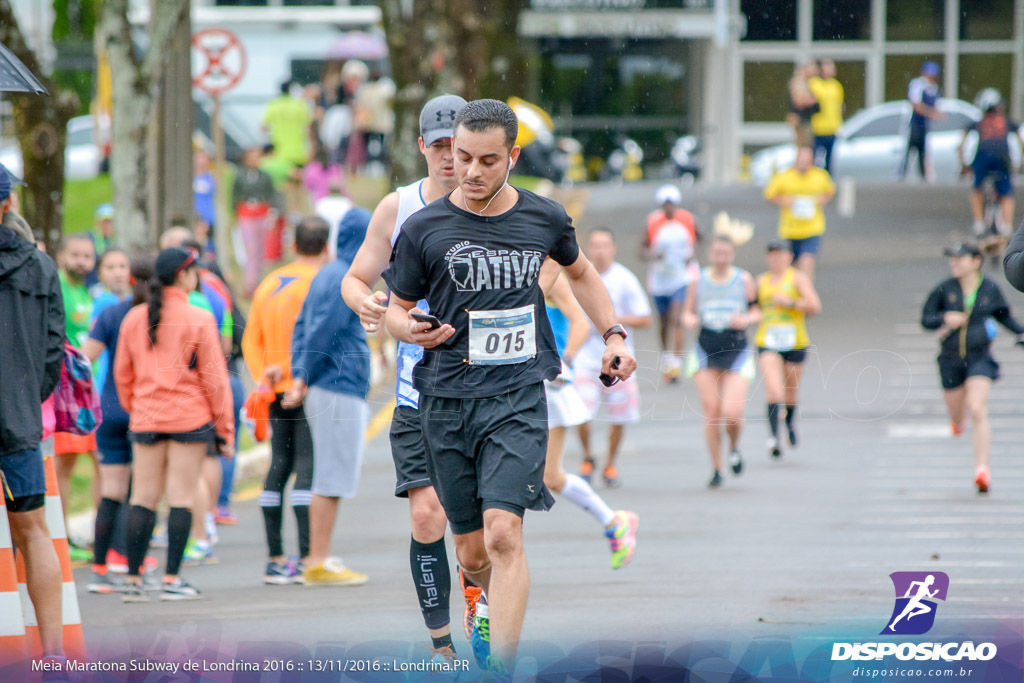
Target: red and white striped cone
x: 13, y: 640
x: 74, y: 640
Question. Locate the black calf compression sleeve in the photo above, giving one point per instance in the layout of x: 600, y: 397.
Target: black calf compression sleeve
x: 433, y: 580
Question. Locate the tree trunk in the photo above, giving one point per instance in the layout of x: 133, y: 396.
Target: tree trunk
x: 135, y: 83
x: 446, y: 46
x: 41, y: 124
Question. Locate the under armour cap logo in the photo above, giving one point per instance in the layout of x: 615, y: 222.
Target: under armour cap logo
x: 529, y: 487
x: 450, y: 114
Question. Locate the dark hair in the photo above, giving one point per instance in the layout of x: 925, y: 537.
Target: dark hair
x: 268, y: 148
x: 604, y: 231
x: 75, y: 237
x: 143, y: 270
x: 108, y: 252
x: 156, y: 299
x: 192, y: 243
x: 480, y: 115
x: 285, y: 87
x: 311, y: 235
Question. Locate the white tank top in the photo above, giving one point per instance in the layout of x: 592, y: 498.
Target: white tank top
x: 410, y: 200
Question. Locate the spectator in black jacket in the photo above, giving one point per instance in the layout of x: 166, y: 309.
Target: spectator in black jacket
x: 960, y: 308
x: 31, y: 355
x: 1013, y: 262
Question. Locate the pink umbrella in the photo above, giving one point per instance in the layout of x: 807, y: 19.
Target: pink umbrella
x: 358, y: 45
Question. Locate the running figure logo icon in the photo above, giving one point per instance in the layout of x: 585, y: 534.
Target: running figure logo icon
x: 916, y: 592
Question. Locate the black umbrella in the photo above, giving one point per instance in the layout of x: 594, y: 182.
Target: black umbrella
x: 15, y: 76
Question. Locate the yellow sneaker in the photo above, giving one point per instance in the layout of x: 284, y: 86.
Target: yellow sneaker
x: 332, y: 573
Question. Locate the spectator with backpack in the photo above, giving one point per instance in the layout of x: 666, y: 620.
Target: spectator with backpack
x: 31, y: 312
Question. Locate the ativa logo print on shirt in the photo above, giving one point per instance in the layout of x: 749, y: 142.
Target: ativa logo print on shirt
x: 474, y: 268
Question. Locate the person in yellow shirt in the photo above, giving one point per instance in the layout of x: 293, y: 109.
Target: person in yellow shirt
x: 287, y: 119
x: 826, y: 123
x: 801, y: 192
x: 267, y: 345
x: 786, y: 297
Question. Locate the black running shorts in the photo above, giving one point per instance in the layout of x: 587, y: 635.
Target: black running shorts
x: 954, y: 370
x: 487, y: 453
x: 408, y: 451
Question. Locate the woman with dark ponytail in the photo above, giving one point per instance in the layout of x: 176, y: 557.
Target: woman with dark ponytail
x: 172, y: 380
x: 112, y: 437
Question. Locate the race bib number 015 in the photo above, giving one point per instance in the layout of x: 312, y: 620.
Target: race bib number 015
x: 502, y: 337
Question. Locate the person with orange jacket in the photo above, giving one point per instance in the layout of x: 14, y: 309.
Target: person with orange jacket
x: 267, y: 349
x: 172, y: 380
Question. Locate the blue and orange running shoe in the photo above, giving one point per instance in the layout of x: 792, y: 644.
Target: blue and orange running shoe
x: 481, y: 635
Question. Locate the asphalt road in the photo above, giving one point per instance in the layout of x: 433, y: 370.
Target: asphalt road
x: 796, y: 550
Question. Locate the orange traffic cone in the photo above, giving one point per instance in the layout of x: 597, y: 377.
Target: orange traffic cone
x: 74, y: 641
x: 13, y: 641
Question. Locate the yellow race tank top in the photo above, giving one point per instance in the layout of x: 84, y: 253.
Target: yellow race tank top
x: 781, y: 329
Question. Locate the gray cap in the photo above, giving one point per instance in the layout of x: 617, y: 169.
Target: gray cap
x: 437, y: 120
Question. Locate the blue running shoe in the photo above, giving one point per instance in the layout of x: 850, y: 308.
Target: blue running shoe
x: 480, y: 638
x: 279, y: 574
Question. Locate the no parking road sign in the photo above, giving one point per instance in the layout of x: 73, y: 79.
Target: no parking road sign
x: 218, y: 60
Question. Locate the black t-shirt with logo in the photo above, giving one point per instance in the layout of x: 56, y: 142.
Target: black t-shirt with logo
x: 479, y: 274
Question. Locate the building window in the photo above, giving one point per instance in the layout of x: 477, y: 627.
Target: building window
x: 985, y: 71
x: 308, y: 3
x: 986, y: 19
x: 915, y: 20
x: 852, y: 75
x: 765, y: 92
x: 842, y: 20
x: 901, y: 69
x: 769, y: 19
x: 241, y: 3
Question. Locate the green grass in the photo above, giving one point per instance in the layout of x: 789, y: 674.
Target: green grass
x: 81, y: 197
x: 81, y: 486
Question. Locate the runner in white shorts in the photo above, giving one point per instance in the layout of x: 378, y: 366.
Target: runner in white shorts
x: 621, y: 401
x: 567, y: 409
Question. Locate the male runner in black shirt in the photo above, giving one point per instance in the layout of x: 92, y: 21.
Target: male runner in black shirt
x: 475, y: 256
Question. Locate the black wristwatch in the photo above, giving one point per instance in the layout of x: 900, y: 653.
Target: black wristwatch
x: 615, y: 329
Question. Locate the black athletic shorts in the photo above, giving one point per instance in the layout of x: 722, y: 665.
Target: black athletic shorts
x: 205, y: 434
x: 408, y: 451
x: 795, y: 356
x: 726, y: 350
x: 954, y: 370
x: 487, y: 453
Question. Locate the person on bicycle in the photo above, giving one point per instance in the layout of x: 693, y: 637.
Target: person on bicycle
x: 992, y: 159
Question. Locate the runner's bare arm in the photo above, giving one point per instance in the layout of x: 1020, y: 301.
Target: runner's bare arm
x: 590, y: 291
x: 753, y: 315
x: 809, y: 302
x: 402, y: 327
x: 561, y: 295
x: 93, y: 349
x: 690, y: 318
x: 549, y: 272
x: 371, y: 260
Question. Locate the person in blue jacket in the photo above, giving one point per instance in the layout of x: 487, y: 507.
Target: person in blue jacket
x: 331, y: 369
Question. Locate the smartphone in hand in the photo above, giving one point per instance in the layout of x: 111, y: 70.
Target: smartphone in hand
x: 426, y: 318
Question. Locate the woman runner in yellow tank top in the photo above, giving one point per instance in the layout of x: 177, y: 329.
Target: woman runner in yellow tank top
x: 786, y: 297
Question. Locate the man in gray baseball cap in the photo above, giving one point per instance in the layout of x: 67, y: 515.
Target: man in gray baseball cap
x: 437, y: 119
x: 428, y: 559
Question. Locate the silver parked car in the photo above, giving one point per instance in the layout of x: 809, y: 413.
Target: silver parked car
x: 871, y: 144
x: 82, y: 156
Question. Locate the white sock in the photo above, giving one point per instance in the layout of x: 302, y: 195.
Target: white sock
x: 578, y: 492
